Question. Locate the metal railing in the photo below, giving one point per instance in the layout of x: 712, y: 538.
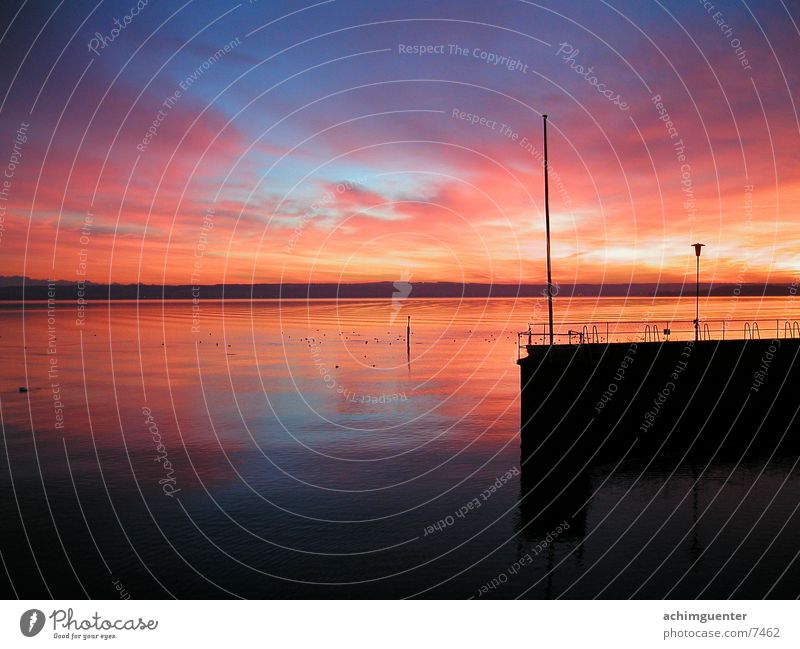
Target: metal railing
x: 592, y: 333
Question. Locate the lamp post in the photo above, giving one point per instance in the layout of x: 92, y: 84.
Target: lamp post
x: 697, y: 248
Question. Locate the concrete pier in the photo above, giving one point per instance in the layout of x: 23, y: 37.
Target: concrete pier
x: 593, y: 403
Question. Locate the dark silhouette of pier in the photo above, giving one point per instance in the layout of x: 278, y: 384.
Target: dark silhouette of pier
x: 596, y: 400
x: 595, y: 392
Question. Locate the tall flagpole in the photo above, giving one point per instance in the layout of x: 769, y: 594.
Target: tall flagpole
x: 547, y: 231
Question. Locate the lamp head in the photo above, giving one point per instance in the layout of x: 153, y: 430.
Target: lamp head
x: 697, y: 247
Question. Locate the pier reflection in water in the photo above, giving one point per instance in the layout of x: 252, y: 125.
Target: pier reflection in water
x: 661, y: 529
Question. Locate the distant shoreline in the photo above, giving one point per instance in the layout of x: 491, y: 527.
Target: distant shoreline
x: 38, y: 290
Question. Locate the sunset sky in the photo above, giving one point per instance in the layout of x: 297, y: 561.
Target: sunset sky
x: 314, y: 142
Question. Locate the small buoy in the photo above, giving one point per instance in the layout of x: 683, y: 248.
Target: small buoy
x: 23, y: 389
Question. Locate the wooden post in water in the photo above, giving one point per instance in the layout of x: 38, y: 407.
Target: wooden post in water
x: 408, y: 337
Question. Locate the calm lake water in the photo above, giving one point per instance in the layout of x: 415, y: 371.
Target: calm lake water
x: 297, y: 449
